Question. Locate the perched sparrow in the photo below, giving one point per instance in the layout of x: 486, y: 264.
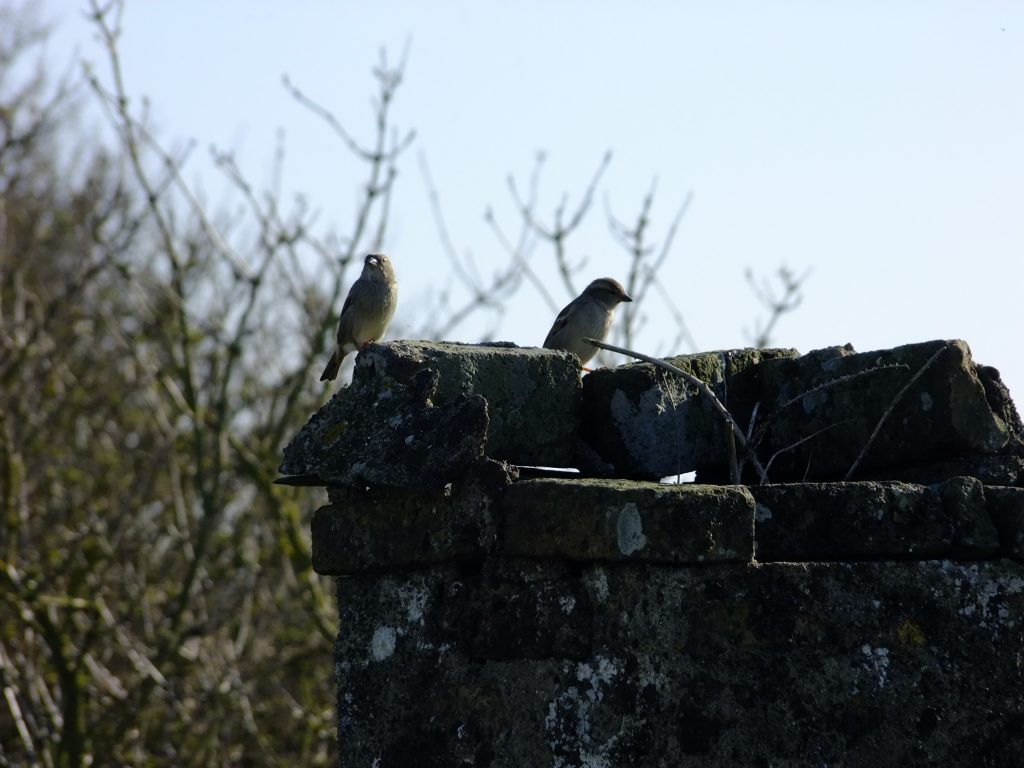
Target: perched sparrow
x: 588, y: 315
x: 367, y: 312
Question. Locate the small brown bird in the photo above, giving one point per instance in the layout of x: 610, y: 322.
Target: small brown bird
x: 367, y: 311
x: 588, y: 315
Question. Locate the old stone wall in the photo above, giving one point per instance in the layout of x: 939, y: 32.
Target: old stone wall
x: 496, y: 615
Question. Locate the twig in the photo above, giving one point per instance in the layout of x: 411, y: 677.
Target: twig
x: 517, y: 255
x: 840, y: 380
x: 11, y: 697
x: 683, y: 332
x: 777, y: 307
x: 644, y: 265
x: 389, y: 80
x: 753, y: 419
x: 471, y: 281
x: 559, y: 231
x: 892, y: 405
x: 801, y: 441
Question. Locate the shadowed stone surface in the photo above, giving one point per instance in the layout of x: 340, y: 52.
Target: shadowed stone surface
x: 532, y: 394
x: 648, y: 423
x: 867, y: 664
x: 850, y: 521
x: 1006, y: 507
x: 380, y: 528
x: 388, y: 435
x: 522, y: 609
x: 944, y: 415
x: 625, y: 520
x: 974, y: 535
x: 816, y: 414
x: 1000, y: 469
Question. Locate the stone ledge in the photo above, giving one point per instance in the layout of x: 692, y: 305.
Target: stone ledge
x: 873, y: 521
x: 586, y: 520
x: 374, y: 529
x: 589, y: 520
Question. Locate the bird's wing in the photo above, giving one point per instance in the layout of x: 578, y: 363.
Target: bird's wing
x: 561, y: 320
x: 348, y: 302
x: 342, y: 320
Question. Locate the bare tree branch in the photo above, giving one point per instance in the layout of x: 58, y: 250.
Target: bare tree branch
x: 777, y: 306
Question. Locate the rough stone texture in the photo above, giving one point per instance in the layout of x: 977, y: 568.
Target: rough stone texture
x: 944, y: 415
x: 627, y: 520
x: 866, y: 664
x: 991, y: 470
x: 390, y: 436
x: 381, y: 528
x: 850, y: 521
x: 816, y: 413
x: 975, y: 535
x: 1006, y: 507
x: 647, y: 423
x: 875, y: 521
x: 532, y: 394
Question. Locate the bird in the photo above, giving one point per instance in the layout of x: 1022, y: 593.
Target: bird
x: 367, y: 311
x: 588, y: 315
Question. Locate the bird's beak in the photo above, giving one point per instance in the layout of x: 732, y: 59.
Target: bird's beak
x: 373, y: 260
x: 626, y: 297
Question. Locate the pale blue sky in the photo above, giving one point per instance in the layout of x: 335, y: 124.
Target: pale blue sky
x: 881, y: 144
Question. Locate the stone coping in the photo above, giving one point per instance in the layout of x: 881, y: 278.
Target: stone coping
x: 593, y: 520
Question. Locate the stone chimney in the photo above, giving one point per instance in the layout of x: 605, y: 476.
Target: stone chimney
x: 517, y: 588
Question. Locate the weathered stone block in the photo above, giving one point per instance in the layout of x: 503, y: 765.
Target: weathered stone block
x: 522, y: 611
x: 532, y: 395
x: 1006, y: 507
x: 862, y: 664
x: 816, y: 413
x: 975, y: 536
x: 839, y: 398
x: 589, y: 519
x: 1001, y: 469
x: 383, y: 434
x: 365, y: 529
x: 850, y: 521
x: 650, y: 424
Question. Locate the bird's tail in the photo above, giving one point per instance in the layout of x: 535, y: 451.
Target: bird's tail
x: 331, y: 371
